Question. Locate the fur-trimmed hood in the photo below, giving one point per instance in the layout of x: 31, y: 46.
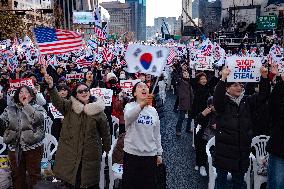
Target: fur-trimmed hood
x: 90, y: 109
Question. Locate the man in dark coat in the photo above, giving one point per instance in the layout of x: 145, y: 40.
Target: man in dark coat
x: 185, y: 99
x: 275, y: 145
x: 234, y: 127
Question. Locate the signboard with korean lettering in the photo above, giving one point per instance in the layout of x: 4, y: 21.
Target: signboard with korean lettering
x: 76, y: 76
x: 244, y: 69
x: 105, y: 94
x: 267, y: 22
x: 17, y: 83
x: 127, y: 85
x: 203, y: 63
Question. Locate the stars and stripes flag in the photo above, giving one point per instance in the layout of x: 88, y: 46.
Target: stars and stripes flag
x: 85, y: 61
x: 171, y: 57
x: 100, y: 33
x: 107, y: 55
x: 56, y: 41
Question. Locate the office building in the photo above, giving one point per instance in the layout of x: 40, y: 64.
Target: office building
x: 120, y: 17
x: 138, y: 8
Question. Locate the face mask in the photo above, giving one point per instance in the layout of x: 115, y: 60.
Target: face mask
x: 122, y: 76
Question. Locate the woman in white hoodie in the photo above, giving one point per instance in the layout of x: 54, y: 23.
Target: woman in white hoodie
x: 142, y: 143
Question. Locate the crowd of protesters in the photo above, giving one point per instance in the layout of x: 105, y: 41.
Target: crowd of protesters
x: 220, y: 108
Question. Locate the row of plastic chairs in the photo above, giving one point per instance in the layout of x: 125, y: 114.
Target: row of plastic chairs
x: 259, y: 144
x: 113, y: 175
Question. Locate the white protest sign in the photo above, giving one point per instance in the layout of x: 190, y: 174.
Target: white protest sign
x: 56, y: 114
x: 117, y: 168
x: 280, y: 67
x: 76, y: 76
x: 105, y: 94
x: 244, y: 69
x: 127, y: 85
x: 204, y: 62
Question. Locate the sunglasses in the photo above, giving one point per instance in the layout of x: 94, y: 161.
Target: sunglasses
x: 86, y: 90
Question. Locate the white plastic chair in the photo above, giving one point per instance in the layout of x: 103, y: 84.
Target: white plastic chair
x: 4, y: 146
x: 259, y: 144
x: 115, y: 124
x: 47, y: 124
x: 102, y: 172
x: 112, y: 175
x: 48, y: 152
x: 212, y: 170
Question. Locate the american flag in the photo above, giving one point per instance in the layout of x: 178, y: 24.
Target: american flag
x: 100, y: 33
x: 107, y: 55
x: 171, y: 57
x: 84, y: 61
x: 56, y: 41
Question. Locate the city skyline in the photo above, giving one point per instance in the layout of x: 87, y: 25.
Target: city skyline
x: 159, y: 8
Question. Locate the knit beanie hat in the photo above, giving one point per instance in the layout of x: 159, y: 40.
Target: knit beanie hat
x: 110, y: 75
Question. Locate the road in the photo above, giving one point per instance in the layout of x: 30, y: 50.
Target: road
x: 179, y: 155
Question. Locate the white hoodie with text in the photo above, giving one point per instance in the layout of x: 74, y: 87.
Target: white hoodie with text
x: 143, y: 137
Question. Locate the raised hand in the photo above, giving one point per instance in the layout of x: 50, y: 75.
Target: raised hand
x: 264, y: 72
x: 225, y: 72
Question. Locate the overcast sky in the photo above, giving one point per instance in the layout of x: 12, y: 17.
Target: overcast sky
x: 160, y: 8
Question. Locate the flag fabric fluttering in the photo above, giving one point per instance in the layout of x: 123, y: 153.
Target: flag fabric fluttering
x: 97, y: 15
x: 84, y: 61
x: 146, y: 59
x: 106, y: 30
x: 171, y: 57
x: 57, y: 41
x: 99, y: 33
x: 107, y: 55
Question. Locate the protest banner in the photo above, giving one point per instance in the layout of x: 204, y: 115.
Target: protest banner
x: 127, y: 85
x: 17, y: 83
x: 244, y: 69
x: 203, y: 63
x: 76, y: 76
x: 105, y: 94
x: 55, y: 113
x: 280, y: 67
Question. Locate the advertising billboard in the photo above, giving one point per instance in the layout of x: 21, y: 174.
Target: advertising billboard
x: 83, y: 17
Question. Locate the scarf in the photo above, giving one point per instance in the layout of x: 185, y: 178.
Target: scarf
x: 237, y: 100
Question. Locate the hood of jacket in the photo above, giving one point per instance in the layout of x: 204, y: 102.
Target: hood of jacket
x: 90, y: 108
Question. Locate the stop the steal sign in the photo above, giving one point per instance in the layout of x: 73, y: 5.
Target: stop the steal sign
x: 244, y: 69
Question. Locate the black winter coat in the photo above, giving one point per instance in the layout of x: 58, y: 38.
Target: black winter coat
x: 275, y: 144
x: 201, y: 94
x: 234, y: 127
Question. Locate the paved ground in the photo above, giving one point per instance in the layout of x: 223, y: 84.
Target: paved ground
x: 179, y: 155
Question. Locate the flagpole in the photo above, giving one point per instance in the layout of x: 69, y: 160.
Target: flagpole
x: 155, y: 85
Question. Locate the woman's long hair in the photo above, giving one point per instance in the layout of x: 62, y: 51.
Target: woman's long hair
x: 74, y: 92
x: 17, y: 94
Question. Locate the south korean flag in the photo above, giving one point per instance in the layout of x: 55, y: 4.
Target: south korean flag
x: 146, y: 59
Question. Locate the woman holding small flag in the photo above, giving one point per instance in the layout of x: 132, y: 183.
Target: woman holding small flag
x: 142, y: 143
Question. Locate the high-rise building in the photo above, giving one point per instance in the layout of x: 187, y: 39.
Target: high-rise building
x: 120, y: 17
x: 195, y: 10
x: 30, y: 9
x: 85, y: 4
x: 186, y: 10
x: 68, y: 6
x: 138, y: 18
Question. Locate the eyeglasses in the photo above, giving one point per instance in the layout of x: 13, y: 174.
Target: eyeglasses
x: 86, y: 90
